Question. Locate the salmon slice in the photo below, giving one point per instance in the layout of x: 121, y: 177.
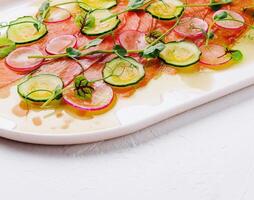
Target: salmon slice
x: 146, y: 22
x: 199, y: 12
x: 132, y: 22
x: 7, y: 76
x: 66, y: 69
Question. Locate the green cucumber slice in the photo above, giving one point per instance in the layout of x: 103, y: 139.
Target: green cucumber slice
x: 165, y: 9
x: 24, y: 31
x: 97, y: 4
x: 180, y: 54
x: 120, y: 72
x: 96, y: 27
x: 40, y: 88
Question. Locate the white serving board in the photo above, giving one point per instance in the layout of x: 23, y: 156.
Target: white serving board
x: 161, y: 99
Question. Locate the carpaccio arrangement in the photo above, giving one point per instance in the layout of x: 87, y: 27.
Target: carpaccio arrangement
x: 98, y: 50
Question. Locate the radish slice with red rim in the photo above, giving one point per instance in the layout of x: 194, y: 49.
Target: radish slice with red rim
x: 59, y: 44
x: 236, y: 23
x: 214, y: 54
x: 57, y: 14
x: 102, y: 97
x: 133, y: 40
x: 18, y: 60
x: 191, y: 27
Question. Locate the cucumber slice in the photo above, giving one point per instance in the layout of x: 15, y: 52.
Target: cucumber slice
x: 25, y: 32
x: 96, y: 27
x: 97, y: 4
x: 40, y: 88
x: 121, y: 73
x: 180, y: 54
x: 165, y: 9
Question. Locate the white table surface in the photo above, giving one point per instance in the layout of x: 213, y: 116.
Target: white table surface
x: 204, y: 154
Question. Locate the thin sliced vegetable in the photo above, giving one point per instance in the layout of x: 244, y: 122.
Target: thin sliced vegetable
x: 57, y: 14
x: 180, y: 54
x: 166, y: 9
x: 122, y: 73
x: 134, y: 40
x: 18, y: 60
x: 24, y: 30
x: 214, y: 54
x: 102, y: 97
x: 96, y: 27
x: 97, y: 4
x: 59, y: 44
x: 233, y: 21
x: 40, y: 88
x: 191, y: 27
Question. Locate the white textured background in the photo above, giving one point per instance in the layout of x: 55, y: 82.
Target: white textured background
x: 203, y: 154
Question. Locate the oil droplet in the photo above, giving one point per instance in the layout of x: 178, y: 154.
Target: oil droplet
x: 37, y: 121
x: 20, y: 110
x: 66, y: 124
x: 59, y: 113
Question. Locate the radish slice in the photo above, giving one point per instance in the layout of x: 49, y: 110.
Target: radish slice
x: 18, y: 60
x: 230, y: 24
x: 57, y: 14
x: 213, y: 54
x: 102, y: 97
x: 191, y: 27
x: 133, y: 40
x: 59, y: 44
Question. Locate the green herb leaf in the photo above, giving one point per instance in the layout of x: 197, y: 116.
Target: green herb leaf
x: 216, y: 5
x: 135, y: 4
x: 58, y: 92
x: 119, y: 50
x: 90, y: 21
x: 236, y: 55
x: 73, y: 53
x: 153, y: 51
x: 56, y: 95
x: 42, y: 14
x: 80, y: 20
x: 210, y: 35
x: 6, y: 47
x: 80, y: 81
x: 83, y: 88
x: 221, y: 16
x: 37, y: 26
x: 93, y: 43
x: 43, y: 10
